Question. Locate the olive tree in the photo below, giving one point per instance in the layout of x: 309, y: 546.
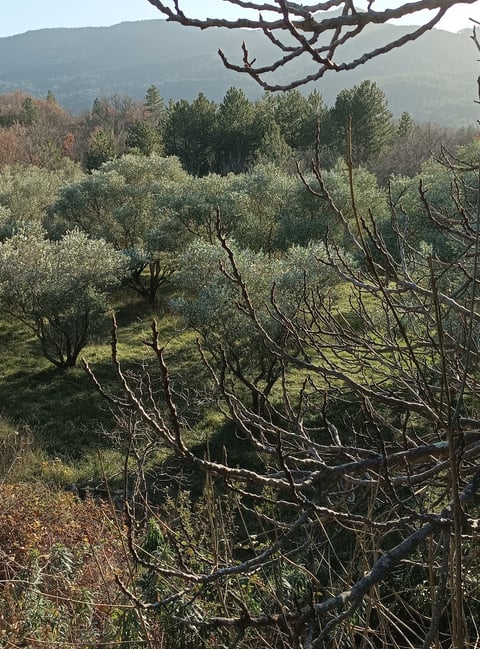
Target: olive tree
x: 229, y: 337
x: 126, y: 203
x: 58, y: 289
x: 428, y: 204
x: 26, y: 191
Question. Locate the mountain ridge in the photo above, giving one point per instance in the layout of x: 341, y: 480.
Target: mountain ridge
x: 434, y: 78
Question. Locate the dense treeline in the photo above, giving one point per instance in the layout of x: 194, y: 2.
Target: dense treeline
x: 432, y: 79
x: 221, y: 138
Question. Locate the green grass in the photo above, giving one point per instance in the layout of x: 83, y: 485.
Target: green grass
x: 68, y: 423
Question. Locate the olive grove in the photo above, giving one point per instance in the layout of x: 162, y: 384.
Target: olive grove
x: 297, y: 442
x: 356, y: 524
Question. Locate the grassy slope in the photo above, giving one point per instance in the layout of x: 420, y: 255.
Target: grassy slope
x: 60, y: 425
x: 57, y: 418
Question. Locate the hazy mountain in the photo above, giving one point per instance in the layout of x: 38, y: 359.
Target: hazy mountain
x: 435, y: 78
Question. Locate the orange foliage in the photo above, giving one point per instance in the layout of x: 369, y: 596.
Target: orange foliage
x: 11, y: 143
x: 63, y: 552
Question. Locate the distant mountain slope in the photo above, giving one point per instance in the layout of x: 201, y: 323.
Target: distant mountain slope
x: 435, y: 78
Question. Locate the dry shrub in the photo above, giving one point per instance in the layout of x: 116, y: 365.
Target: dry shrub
x: 58, y: 560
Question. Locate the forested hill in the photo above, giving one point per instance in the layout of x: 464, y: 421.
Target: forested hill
x: 434, y: 78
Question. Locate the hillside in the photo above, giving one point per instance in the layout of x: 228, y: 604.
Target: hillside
x: 434, y: 78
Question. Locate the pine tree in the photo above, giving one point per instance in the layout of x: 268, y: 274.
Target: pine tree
x: 143, y: 137
x: 366, y: 109
x: 101, y: 148
x: 297, y: 116
x: 237, y: 131
x: 274, y: 149
x: 30, y: 111
x: 190, y: 134
x: 405, y: 125
x: 154, y: 105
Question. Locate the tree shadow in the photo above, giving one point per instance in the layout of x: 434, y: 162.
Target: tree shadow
x: 61, y: 408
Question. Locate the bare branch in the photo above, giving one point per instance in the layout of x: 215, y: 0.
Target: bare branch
x: 317, y: 31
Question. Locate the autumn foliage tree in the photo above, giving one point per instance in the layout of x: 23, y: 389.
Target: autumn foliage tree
x: 33, y: 131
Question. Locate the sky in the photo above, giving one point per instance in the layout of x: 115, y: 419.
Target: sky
x: 25, y: 15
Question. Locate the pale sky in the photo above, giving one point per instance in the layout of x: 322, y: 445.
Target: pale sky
x: 25, y: 15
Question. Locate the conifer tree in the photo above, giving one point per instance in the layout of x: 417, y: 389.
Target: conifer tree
x: 365, y: 108
x: 154, y: 105
x: 101, y: 148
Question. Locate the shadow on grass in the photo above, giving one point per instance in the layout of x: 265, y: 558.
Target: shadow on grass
x: 130, y: 308
x: 226, y: 443
x: 62, y: 409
